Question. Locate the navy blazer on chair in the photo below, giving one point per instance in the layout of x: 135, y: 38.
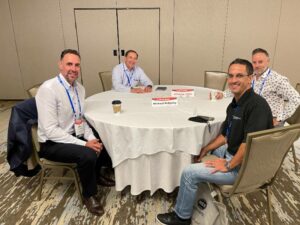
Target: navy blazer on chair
x: 19, y: 139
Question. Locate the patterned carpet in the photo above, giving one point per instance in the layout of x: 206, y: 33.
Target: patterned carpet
x: 60, y: 204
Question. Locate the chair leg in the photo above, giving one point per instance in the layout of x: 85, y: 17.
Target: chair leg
x: 220, y: 198
x: 219, y: 194
x: 295, y: 158
x: 76, y: 180
x: 41, y: 183
x: 268, y: 190
x: 64, y: 172
x: 235, y: 214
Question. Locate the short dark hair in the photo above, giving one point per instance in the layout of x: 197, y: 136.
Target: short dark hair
x: 249, y: 67
x: 129, y: 51
x: 260, y: 50
x: 69, y: 51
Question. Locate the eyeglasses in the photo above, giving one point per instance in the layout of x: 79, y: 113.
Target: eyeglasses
x: 238, y: 76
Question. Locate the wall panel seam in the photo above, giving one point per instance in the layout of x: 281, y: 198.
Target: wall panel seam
x: 224, y: 39
x: 74, y: 13
x: 173, y: 43
x: 61, y: 22
x: 16, y: 46
x: 277, y: 34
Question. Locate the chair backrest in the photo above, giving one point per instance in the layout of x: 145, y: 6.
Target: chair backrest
x: 33, y: 90
x: 106, y: 80
x: 298, y: 87
x: 295, y: 118
x: 35, y: 142
x: 215, y: 80
x: 265, y: 152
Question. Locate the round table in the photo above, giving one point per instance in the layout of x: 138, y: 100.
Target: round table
x: 149, y: 146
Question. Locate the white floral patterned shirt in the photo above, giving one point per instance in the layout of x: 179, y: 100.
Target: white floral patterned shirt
x: 282, y: 98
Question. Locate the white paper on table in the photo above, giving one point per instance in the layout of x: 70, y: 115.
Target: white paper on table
x: 183, y: 92
x: 164, y: 101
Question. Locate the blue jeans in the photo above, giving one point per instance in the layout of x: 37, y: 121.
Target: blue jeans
x: 197, y: 173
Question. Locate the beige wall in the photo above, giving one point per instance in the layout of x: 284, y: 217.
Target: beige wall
x: 199, y: 29
x: 249, y: 27
x: 287, y: 54
x: 10, y: 75
x: 195, y: 36
x: 39, y: 38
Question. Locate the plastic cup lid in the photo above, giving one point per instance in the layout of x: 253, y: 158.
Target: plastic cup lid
x: 114, y: 102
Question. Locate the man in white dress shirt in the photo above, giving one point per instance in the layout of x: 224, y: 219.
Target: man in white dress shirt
x: 128, y: 77
x: 63, y: 133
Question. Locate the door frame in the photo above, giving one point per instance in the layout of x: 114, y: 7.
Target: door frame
x: 117, y: 9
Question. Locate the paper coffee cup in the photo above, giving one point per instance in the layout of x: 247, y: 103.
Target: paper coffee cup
x: 116, y: 106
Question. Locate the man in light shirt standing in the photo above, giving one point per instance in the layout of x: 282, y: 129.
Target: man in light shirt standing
x: 128, y: 77
x: 275, y: 88
x: 63, y: 133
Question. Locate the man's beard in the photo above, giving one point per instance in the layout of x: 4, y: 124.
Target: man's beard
x: 69, y: 79
x: 260, y: 72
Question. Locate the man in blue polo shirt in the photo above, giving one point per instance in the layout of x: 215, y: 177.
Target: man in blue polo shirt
x: 128, y: 77
x: 248, y: 112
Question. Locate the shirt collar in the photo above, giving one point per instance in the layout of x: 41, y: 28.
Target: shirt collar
x: 264, y: 74
x: 66, y: 83
x: 243, y: 98
x: 125, y: 67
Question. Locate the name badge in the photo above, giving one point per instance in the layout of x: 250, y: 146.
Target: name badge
x: 79, y: 128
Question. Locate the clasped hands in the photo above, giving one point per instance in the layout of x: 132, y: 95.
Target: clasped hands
x: 141, y: 90
x: 95, y: 144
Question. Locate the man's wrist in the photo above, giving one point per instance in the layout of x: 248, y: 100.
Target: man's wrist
x: 227, y: 165
x: 278, y: 119
x: 204, y: 150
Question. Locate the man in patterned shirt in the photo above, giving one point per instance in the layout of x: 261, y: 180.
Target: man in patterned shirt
x: 275, y: 88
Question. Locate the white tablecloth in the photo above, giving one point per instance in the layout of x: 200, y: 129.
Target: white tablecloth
x: 149, y: 146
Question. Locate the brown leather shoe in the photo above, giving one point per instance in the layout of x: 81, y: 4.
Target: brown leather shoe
x: 93, y: 206
x: 105, y: 181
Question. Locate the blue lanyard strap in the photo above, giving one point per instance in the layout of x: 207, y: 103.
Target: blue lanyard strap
x: 70, y: 100
x: 262, y: 84
x: 128, y: 79
x: 228, y: 130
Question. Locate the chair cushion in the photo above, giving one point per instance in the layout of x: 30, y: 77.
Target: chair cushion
x: 47, y: 162
x: 225, y: 188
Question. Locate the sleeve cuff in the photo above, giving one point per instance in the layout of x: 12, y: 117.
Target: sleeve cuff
x: 80, y: 142
x: 91, y: 137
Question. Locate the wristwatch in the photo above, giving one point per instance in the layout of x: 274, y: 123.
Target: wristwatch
x: 227, y: 165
